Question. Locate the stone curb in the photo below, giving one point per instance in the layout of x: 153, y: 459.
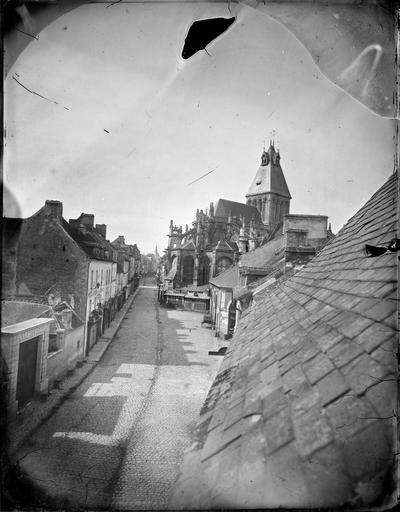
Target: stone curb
x: 42, y: 411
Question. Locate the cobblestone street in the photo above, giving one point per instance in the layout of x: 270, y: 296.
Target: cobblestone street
x: 118, y: 440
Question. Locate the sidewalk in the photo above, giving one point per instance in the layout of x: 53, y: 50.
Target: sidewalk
x: 36, y: 412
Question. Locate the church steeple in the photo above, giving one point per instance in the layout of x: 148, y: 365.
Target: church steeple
x: 269, y: 192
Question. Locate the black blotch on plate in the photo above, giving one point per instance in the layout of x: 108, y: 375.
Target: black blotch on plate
x: 202, y: 32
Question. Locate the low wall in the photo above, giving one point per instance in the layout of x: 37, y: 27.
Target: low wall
x: 65, y: 358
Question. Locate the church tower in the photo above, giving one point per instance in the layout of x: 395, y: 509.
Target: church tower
x: 269, y: 192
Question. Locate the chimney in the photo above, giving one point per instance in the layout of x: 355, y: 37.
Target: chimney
x: 87, y: 220
x: 102, y: 230
x: 53, y: 209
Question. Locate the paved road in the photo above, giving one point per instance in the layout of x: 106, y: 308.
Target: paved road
x: 118, y: 441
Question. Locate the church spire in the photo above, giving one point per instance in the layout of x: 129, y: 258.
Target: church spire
x: 269, y: 192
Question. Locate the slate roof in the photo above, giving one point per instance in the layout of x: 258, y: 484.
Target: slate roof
x: 227, y: 279
x: 269, y: 178
x: 91, y: 242
x: 301, y: 412
x: 265, y: 256
x: 224, y: 207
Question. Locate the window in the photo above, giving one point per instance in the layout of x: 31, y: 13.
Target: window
x: 53, y: 343
x: 97, y: 277
x: 91, y: 279
x: 101, y: 276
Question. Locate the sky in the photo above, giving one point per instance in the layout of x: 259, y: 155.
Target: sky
x: 135, y: 124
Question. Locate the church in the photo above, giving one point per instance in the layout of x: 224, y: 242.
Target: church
x: 228, y: 229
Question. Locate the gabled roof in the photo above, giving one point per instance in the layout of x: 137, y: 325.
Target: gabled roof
x: 90, y: 241
x: 265, y: 256
x: 269, y: 177
x: 301, y: 412
x: 223, y: 245
x: 224, y: 207
x: 227, y: 279
x: 188, y: 245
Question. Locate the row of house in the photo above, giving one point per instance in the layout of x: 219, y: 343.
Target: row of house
x: 150, y: 264
x: 63, y: 283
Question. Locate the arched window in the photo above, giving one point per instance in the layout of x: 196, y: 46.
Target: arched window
x: 188, y: 270
x: 205, y: 270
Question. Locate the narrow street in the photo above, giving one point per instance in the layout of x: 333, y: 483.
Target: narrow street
x: 118, y: 441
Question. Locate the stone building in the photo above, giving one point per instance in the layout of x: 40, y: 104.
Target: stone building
x: 41, y: 259
x: 218, y: 236
x: 222, y: 234
x: 302, y: 413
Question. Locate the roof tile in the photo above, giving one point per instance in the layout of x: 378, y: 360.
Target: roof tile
x: 307, y: 351
x: 349, y: 414
x: 374, y: 336
x: 278, y: 430
x: 344, y: 351
x: 312, y: 431
x: 233, y: 415
x: 383, y: 396
x: 327, y: 478
x: 332, y: 386
x: 363, y: 372
x: 294, y: 379
x: 368, y: 453
x: 304, y: 398
x: 317, y: 367
x: 328, y: 339
x: 350, y: 324
x: 273, y: 403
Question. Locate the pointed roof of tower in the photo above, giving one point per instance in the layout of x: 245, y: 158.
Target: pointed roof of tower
x: 269, y: 177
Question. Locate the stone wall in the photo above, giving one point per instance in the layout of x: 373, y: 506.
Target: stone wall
x: 70, y: 351
x: 315, y: 225
x: 50, y: 262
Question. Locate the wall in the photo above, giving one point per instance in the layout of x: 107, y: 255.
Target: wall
x: 104, y: 291
x: 58, y: 363
x: 11, y: 338
x: 10, y: 237
x: 49, y: 261
x: 220, y: 300
x: 316, y: 225
x: 298, y: 258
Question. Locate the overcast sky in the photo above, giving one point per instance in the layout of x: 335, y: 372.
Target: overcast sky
x: 172, y: 120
